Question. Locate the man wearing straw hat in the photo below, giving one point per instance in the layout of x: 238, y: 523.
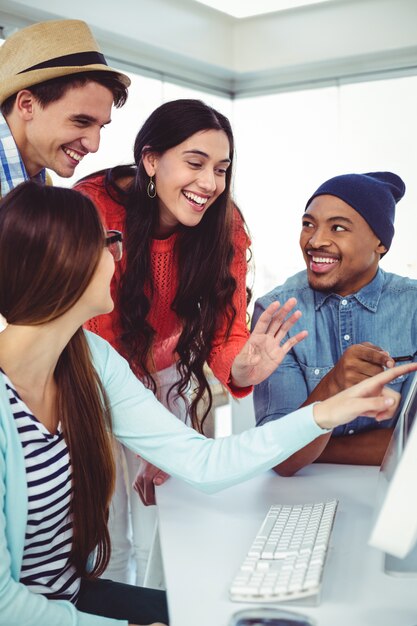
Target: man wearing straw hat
x: 56, y: 94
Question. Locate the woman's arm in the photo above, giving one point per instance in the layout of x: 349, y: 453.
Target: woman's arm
x: 146, y: 427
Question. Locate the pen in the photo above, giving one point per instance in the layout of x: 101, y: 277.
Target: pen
x: 400, y: 359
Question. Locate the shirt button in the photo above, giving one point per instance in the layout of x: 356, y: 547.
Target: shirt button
x: 344, y: 302
x: 346, y: 337
x: 351, y: 432
x: 317, y: 371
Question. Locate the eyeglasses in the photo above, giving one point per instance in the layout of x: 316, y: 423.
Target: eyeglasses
x: 113, y: 242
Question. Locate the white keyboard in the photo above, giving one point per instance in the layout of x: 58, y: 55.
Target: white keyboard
x: 286, y: 559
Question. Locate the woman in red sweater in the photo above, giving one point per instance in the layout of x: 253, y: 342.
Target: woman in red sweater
x: 180, y: 292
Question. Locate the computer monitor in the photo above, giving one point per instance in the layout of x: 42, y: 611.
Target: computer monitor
x: 395, y: 528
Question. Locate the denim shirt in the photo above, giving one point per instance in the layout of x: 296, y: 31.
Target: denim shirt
x: 384, y: 312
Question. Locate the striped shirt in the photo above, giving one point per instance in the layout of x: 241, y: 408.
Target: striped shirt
x: 45, y: 567
x: 12, y: 169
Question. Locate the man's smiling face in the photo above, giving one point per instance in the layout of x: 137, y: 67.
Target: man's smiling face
x: 59, y: 135
x: 340, y: 249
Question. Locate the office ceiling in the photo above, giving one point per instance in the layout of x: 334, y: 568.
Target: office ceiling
x: 249, y: 8
x: 185, y: 41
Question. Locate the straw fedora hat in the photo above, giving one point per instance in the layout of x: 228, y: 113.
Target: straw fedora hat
x: 49, y: 50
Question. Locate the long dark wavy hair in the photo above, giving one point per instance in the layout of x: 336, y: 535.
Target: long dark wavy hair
x: 51, y: 241
x: 204, y: 255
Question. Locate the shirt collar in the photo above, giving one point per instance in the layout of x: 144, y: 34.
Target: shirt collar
x: 12, y: 168
x: 368, y: 296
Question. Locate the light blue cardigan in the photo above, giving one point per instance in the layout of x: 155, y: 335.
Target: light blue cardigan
x: 146, y: 427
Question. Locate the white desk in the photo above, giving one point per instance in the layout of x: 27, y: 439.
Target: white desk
x: 204, y: 539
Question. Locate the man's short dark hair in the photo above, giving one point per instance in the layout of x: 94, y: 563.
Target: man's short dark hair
x: 54, y: 89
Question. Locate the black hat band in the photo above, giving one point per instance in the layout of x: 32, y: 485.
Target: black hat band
x: 70, y: 60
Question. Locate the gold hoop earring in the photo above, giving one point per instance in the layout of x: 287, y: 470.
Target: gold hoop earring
x: 151, y: 189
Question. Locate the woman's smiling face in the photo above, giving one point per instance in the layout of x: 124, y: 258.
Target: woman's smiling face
x: 189, y: 178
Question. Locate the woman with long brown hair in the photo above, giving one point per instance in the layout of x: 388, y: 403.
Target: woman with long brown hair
x: 180, y: 292
x: 63, y: 390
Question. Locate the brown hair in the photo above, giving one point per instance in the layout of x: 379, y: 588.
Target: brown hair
x: 204, y: 253
x: 54, y: 89
x: 51, y: 241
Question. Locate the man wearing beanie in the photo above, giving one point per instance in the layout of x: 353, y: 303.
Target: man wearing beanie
x: 359, y: 318
x: 56, y: 94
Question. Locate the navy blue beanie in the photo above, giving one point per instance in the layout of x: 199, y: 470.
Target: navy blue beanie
x: 373, y: 195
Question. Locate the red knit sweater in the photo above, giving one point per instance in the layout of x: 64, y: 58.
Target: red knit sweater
x: 165, y: 279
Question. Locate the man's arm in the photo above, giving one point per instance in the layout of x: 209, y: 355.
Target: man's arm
x: 357, y: 363
x: 366, y: 448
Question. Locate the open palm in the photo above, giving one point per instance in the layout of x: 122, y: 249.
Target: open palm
x: 263, y: 351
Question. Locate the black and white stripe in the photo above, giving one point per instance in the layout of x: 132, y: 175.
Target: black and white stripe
x: 45, y: 567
